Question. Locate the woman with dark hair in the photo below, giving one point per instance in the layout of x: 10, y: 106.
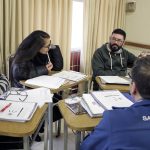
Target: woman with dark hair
x: 36, y: 56
x: 31, y: 58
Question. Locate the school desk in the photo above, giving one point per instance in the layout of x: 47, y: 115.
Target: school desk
x: 120, y: 87
x: 78, y: 123
x: 26, y: 129
x: 68, y: 84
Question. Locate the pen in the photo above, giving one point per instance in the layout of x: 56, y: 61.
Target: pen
x: 20, y: 111
x: 3, y: 109
x: 48, y: 58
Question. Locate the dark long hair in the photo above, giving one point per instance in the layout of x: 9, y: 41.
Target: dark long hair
x: 119, y: 31
x: 30, y: 46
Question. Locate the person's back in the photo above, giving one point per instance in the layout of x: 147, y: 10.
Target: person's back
x: 126, y: 128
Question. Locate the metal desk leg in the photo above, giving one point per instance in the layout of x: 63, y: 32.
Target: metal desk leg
x: 78, y: 140
x: 26, y: 145
x: 65, y: 136
x: 50, y: 125
x: 46, y: 132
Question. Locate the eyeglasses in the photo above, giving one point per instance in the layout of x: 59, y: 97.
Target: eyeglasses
x: 20, y: 95
x: 48, y: 46
x: 113, y: 39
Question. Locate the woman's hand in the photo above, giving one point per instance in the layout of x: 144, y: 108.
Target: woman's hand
x: 49, y: 67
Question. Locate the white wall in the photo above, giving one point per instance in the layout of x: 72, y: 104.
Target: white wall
x: 138, y: 23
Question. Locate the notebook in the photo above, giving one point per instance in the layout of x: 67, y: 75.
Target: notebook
x: 16, y: 111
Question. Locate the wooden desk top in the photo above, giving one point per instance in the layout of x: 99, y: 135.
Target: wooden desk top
x: 122, y: 88
x: 77, y: 122
x: 21, y: 129
x: 67, y: 85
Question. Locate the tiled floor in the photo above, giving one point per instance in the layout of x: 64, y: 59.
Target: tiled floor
x: 57, y: 142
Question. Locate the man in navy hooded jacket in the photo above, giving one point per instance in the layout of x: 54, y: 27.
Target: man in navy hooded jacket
x: 126, y: 128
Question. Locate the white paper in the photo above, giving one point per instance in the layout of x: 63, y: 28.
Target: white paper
x: 46, y: 81
x: 38, y: 95
x: 114, y: 80
x: 111, y: 98
x: 70, y: 75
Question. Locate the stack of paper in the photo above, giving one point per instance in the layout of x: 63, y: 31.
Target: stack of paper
x: 114, y: 80
x: 111, y: 98
x: 46, y: 81
x: 70, y: 75
x: 91, y: 106
x: 16, y: 111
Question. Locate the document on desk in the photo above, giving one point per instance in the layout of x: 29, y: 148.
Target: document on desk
x: 114, y: 80
x: 70, y: 75
x: 16, y: 111
x: 51, y: 82
x: 111, y: 98
x: 38, y: 95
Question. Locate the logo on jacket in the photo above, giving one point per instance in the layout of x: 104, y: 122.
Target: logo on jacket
x: 146, y: 118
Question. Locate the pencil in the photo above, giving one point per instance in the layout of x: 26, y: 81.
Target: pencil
x: 3, y: 109
x: 48, y: 58
x: 20, y: 111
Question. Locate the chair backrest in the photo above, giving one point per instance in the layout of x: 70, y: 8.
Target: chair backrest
x: 10, y: 60
x: 56, y: 58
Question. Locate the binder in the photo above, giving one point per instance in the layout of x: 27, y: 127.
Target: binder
x: 16, y: 111
x: 91, y: 106
x: 96, y: 102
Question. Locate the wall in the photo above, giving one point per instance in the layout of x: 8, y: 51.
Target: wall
x: 138, y: 23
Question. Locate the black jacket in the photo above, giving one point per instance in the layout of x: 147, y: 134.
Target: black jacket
x: 106, y: 63
x: 36, y: 66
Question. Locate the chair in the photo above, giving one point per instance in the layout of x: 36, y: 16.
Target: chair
x: 9, y: 62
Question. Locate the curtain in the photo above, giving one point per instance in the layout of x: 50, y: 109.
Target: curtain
x: 20, y: 17
x: 100, y: 18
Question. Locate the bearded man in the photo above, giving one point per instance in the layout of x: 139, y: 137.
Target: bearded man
x: 112, y: 59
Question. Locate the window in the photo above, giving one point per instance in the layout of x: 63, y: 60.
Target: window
x: 77, y: 25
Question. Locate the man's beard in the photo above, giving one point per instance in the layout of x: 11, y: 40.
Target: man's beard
x: 115, y: 47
